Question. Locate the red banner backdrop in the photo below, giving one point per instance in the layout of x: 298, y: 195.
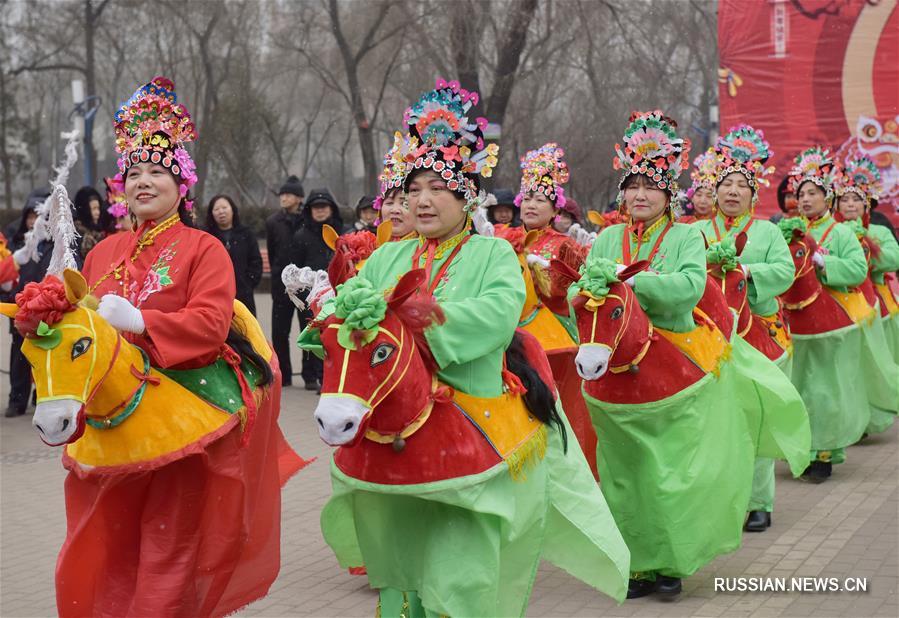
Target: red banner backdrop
x: 814, y: 72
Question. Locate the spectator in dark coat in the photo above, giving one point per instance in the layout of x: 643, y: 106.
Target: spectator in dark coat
x: 309, y: 249
x: 279, y: 230
x: 366, y: 215
x: 92, y: 220
x: 223, y: 222
x: 504, y: 211
x: 29, y: 271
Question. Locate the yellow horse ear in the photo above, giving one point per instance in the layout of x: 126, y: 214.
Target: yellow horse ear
x: 595, y: 218
x: 530, y: 239
x: 385, y: 231
x: 329, y: 235
x: 76, y: 286
x: 9, y: 309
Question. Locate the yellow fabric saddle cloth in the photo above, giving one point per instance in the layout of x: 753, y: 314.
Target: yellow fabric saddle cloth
x: 886, y: 294
x: 506, y: 423
x: 155, y: 434
x: 781, y: 334
x: 853, y: 303
x: 705, y: 345
x: 549, y: 331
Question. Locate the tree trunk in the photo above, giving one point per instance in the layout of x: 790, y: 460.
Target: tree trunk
x: 514, y: 40
x: 4, y: 153
x: 90, y: 21
x: 464, y: 41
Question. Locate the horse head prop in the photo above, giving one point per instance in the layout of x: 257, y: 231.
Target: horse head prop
x: 811, y: 307
x: 73, y: 352
x: 614, y: 331
x: 371, y: 345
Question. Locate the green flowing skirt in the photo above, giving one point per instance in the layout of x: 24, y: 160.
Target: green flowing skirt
x: 777, y: 416
x: 827, y: 372
x: 763, y: 485
x: 677, y: 473
x: 881, y: 374
x: 470, y: 546
x: 891, y: 333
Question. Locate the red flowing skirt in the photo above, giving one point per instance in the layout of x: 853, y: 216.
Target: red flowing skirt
x: 199, y: 536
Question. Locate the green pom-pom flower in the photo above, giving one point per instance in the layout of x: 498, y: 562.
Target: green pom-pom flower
x: 723, y: 253
x: 597, y: 276
x: 788, y: 225
x: 361, y: 307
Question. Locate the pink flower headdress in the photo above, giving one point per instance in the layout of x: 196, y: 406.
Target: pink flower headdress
x: 152, y: 127
x: 544, y: 171
x: 813, y: 165
x: 859, y: 176
x: 743, y: 150
x: 396, y: 165
x: 451, y: 145
x: 652, y: 148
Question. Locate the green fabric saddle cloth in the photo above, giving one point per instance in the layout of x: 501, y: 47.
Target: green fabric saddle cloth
x: 216, y: 384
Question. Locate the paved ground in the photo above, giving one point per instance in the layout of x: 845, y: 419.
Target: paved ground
x: 846, y: 528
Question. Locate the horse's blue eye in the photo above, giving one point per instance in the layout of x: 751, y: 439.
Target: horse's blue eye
x: 81, y: 346
x: 616, y: 313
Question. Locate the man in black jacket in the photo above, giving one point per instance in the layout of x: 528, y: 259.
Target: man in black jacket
x: 279, y: 230
x: 309, y: 249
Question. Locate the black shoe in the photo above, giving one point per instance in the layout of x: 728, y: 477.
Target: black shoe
x: 14, y: 410
x: 637, y: 588
x: 668, y: 587
x: 313, y: 386
x: 758, y: 521
x: 817, y: 472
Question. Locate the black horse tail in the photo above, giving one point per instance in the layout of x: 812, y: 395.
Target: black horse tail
x: 241, y: 345
x: 539, y: 398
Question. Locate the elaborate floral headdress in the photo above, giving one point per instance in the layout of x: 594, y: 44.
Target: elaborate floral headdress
x: 813, y: 165
x: 115, y: 196
x: 451, y: 146
x: 743, y: 150
x: 544, y: 171
x: 652, y: 148
x: 703, y: 172
x: 152, y: 127
x: 859, y: 176
x: 396, y: 165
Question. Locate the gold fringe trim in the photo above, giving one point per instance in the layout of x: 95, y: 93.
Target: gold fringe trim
x: 527, y: 455
x: 542, y: 281
x: 725, y: 356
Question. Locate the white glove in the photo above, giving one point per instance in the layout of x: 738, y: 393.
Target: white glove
x: 297, y: 279
x: 538, y: 260
x: 121, y: 314
x: 580, y: 235
x: 6, y: 287
x: 481, y: 222
x: 745, y: 269
x: 22, y: 256
x: 818, y: 259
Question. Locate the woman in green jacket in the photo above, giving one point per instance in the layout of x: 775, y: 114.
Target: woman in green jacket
x: 740, y: 158
x: 677, y: 470
x: 855, y: 186
x: 826, y: 364
x: 476, y: 548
